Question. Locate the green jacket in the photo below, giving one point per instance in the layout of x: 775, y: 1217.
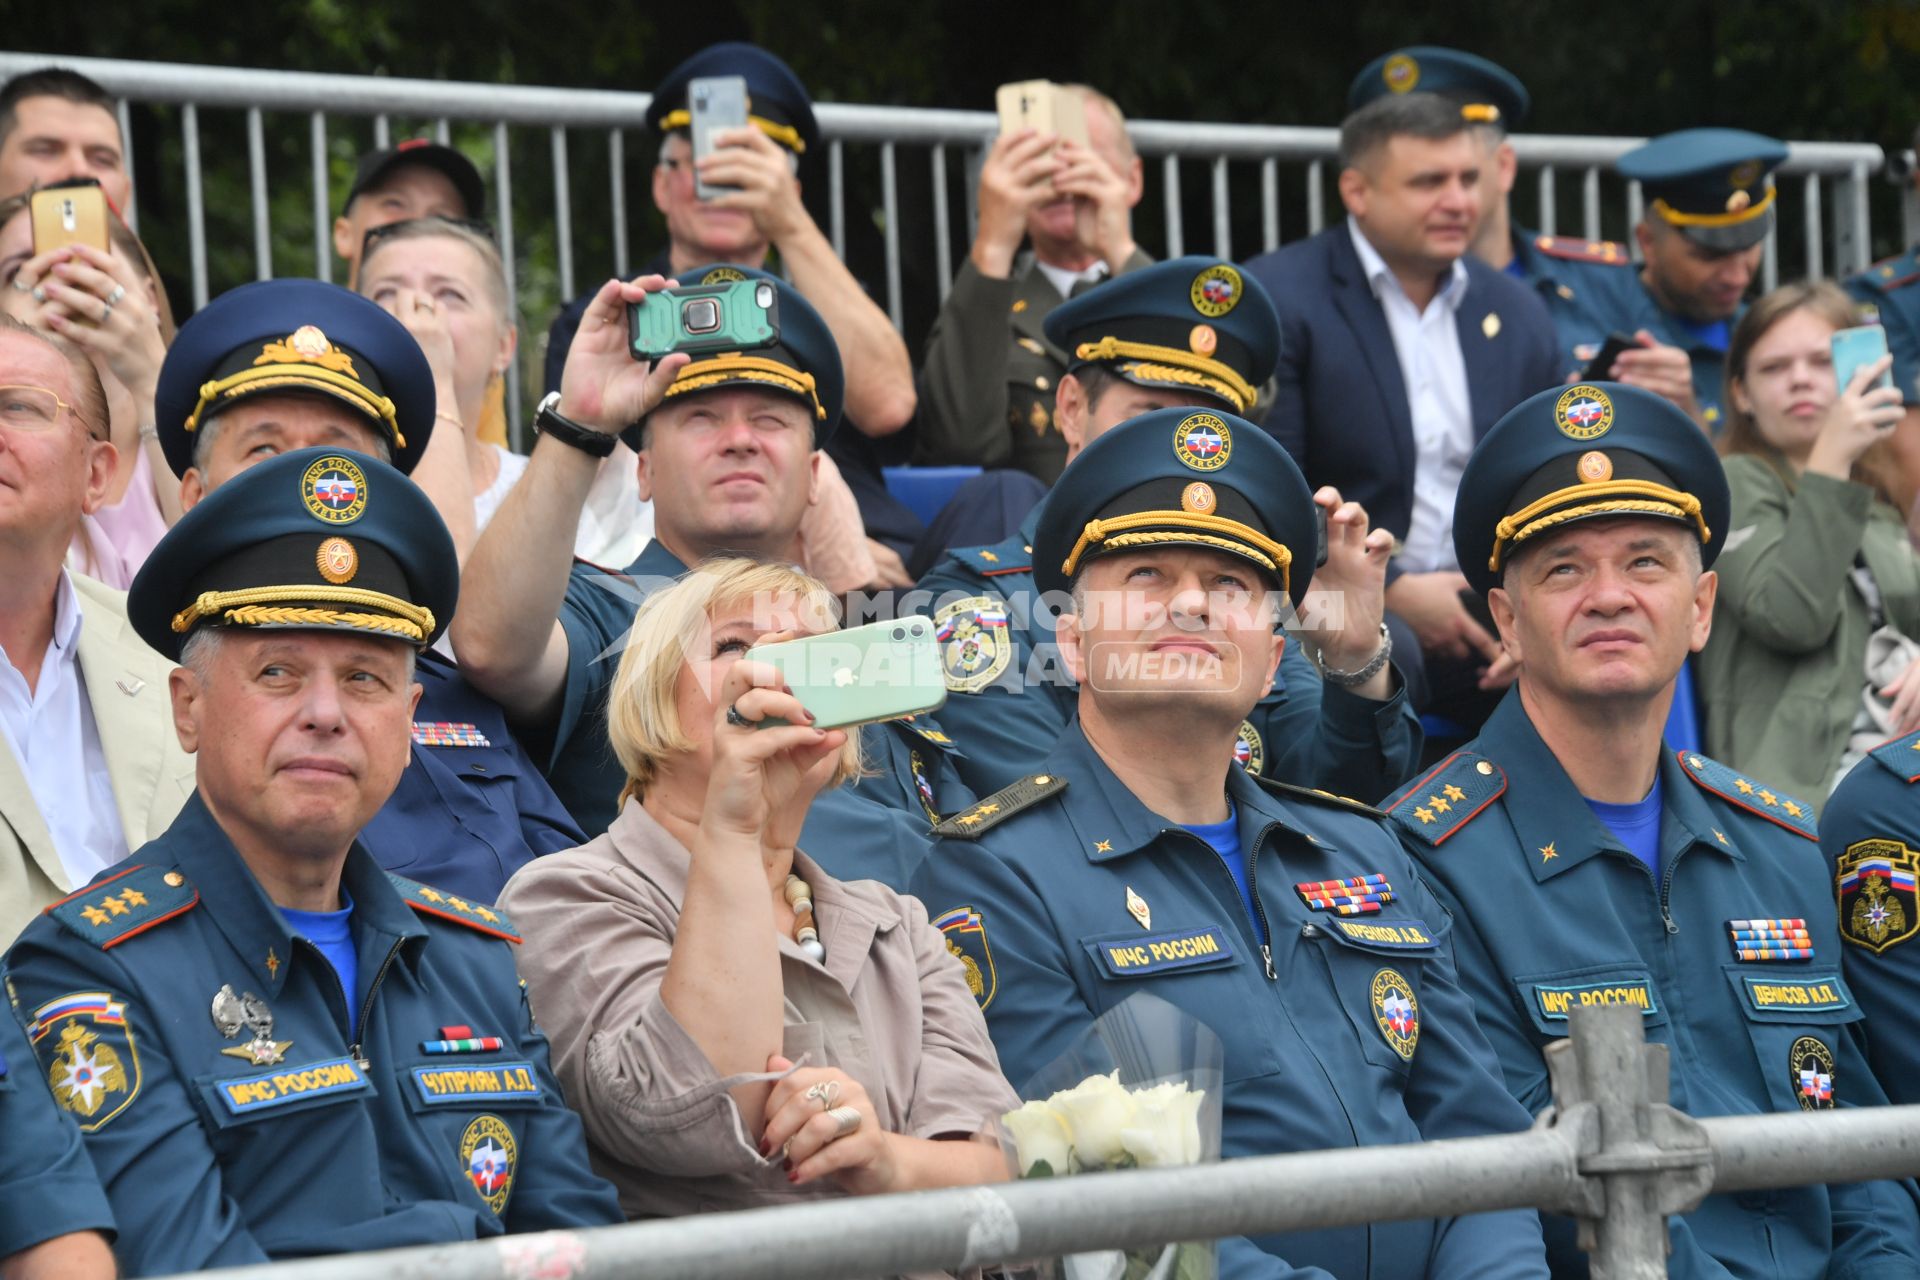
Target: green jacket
x: 1782, y: 675
x: 986, y: 382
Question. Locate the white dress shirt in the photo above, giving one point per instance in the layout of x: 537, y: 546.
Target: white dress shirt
x: 1435, y: 373
x: 51, y: 732
x: 1064, y: 280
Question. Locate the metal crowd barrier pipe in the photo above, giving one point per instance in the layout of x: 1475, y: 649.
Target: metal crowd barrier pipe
x: 1611, y: 1152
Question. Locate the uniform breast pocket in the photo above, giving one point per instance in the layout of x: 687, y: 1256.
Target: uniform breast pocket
x: 1030, y: 377
x: 1201, y: 970
x: 266, y: 1113
x: 1377, y: 968
x: 477, y: 1110
x: 1551, y: 998
x: 1796, y: 1019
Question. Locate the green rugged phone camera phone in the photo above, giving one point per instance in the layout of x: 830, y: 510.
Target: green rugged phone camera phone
x: 877, y: 672
x: 739, y: 315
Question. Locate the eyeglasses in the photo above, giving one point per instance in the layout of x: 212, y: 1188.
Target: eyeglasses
x: 375, y: 235
x: 31, y: 409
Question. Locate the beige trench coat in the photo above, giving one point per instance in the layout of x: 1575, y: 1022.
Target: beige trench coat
x: 599, y: 923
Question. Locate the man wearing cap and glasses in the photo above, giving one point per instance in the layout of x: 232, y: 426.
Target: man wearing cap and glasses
x: 88, y: 764
x: 272, y: 1046
x: 1585, y: 863
x: 1139, y: 858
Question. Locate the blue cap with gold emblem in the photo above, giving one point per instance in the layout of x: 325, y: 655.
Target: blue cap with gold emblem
x: 804, y: 362
x: 1487, y: 92
x: 1192, y: 324
x: 303, y: 337
x: 1714, y: 185
x: 317, y: 539
x: 1187, y: 477
x: 776, y: 100
x: 1591, y: 451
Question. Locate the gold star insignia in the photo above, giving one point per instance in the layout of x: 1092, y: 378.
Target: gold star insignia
x: 1425, y: 815
x: 1745, y: 787
x: 1794, y: 809
x: 1104, y: 846
x: 1548, y: 853
x: 133, y: 897
x: 1452, y: 792
x: 431, y: 896
x: 970, y: 819
x: 1768, y: 798
x: 273, y: 964
x: 988, y: 808
x: 485, y: 914
x: 989, y: 557
x: 1439, y: 805
x: 458, y: 904
x: 1719, y: 835
x: 94, y: 915
x: 114, y: 905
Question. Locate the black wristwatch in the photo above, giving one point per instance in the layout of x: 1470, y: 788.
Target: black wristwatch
x: 547, y: 420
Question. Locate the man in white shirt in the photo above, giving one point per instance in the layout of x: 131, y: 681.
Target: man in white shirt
x: 90, y: 767
x: 1398, y: 352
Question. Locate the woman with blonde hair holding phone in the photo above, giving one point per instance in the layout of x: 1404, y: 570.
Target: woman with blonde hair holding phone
x: 735, y: 1026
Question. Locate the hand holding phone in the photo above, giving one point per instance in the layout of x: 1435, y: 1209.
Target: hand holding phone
x: 714, y: 103
x: 1854, y: 349
x: 1600, y: 368
x: 881, y: 671
x: 70, y: 214
x: 739, y: 315
x: 1043, y: 106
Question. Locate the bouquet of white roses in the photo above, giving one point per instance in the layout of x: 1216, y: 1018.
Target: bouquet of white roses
x: 1145, y: 1094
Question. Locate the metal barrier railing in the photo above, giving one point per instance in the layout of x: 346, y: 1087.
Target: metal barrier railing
x: 1610, y: 1152
x: 1832, y: 215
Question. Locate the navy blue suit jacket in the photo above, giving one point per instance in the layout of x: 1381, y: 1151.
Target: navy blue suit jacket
x: 1340, y: 407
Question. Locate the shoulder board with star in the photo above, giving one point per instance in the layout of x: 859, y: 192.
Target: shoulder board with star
x: 1889, y: 274
x: 1574, y: 249
x: 1901, y: 757
x: 1314, y: 795
x: 923, y: 729
x: 110, y: 911
x: 1454, y: 794
x: 442, y: 905
x: 976, y: 819
x: 1744, y: 793
x: 1011, y: 556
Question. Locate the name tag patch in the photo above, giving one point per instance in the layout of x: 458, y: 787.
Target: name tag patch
x: 1160, y: 952
x: 495, y: 1082
x: 1766, y: 994
x: 247, y: 1094
x: 1407, y: 935
x: 1556, y: 1001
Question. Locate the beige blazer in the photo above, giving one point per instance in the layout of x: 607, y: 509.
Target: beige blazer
x: 889, y: 1006
x: 152, y: 777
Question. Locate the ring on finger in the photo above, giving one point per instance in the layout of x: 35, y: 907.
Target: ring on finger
x: 119, y: 292
x: 39, y: 293
x: 106, y: 309
x: 735, y: 718
x: 847, y: 1118
x: 20, y: 284
x: 826, y: 1093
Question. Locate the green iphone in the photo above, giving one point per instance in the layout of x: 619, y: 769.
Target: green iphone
x: 881, y: 671
x: 738, y: 315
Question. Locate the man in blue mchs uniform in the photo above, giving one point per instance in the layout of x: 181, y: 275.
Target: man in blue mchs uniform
x: 1710, y: 197
x: 1869, y: 832
x: 1494, y: 101
x: 52, y: 1211
x: 1139, y: 857
x: 1586, y: 864
x: 728, y: 444
x: 286, y: 364
x: 1195, y: 332
x: 273, y: 1046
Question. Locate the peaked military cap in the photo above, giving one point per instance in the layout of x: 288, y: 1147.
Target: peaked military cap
x: 444, y: 160
x: 776, y: 100
x: 1487, y: 92
x: 1183, y: 476
x: 305, y: 336
x: 804, y: 363
x: 317, y: 539
x: 1192, y: 324
x: 1594, y: 450
x: 1714, y: 185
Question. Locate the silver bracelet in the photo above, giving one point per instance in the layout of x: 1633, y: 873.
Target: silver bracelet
x: 1354, y: 679
x: 149, y: 433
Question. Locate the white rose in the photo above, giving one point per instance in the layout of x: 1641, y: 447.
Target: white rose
x: 1166, y: 1126
x: 1096, y: 1110
x: 1039, y: 1134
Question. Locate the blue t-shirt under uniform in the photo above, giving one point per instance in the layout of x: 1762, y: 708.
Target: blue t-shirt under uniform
x: 1225, y: 839
x: 332, y: 933
x: 1637, y: 825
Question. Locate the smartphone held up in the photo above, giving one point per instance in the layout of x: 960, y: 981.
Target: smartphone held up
x: 735, y: 315
x: 70, y: 213
x: 714, y: 103
x: 880, y: 671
